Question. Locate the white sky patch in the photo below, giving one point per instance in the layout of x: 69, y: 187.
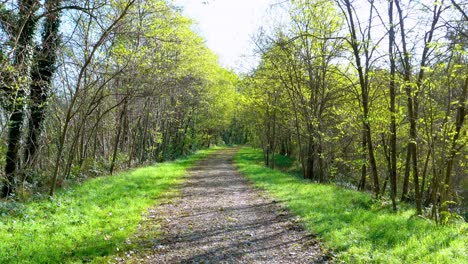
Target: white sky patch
x: 227, y: 26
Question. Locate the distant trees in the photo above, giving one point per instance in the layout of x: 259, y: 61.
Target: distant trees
x: 348, y: 104
x: 116, y: 84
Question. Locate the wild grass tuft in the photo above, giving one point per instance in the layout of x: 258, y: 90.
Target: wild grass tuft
x: 356, y: 227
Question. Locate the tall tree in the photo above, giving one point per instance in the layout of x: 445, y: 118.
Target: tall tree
x: 412, y: 96
x: 392, y: 89
x: 43, y: 69
x: 23, y: 28
x: 357, y: 45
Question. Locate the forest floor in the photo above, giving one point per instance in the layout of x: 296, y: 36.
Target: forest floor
x: 219, y: 217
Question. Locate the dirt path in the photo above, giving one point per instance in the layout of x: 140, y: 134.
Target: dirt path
x: 221, y: 218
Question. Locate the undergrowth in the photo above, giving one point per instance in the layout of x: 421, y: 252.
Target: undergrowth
x: 357, y: 228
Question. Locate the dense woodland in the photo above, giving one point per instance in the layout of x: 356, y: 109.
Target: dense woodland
x: 90, y: 87
x: 367, y: 94
x: 370, y: 94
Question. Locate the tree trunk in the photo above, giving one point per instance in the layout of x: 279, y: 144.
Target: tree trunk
x: 393, y: 139
x: 309, y: 156
x: 362, y: 182
x: 412, y: 147
x: 117, y: 139
x: 460, y: 119
x: 424, y: 173
x: 41, y: 76
x: 27, y: 23
x: 363, y: 81
x: 405, y: 188
x: 12, y: 155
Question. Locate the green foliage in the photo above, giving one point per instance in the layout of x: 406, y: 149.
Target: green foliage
x: 86, y: 221
x: 308, y: 97
x: 356, y: 227
x: 195, y: 97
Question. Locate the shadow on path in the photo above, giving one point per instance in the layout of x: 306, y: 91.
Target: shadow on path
x: 220, y: 218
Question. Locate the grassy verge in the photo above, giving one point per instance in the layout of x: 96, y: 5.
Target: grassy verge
x: 356, y: 227
x: 87, y: 221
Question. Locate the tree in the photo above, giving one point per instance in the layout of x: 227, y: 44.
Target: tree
x: 392, y: 88
x: 20, y: 29
x: 363, y: 73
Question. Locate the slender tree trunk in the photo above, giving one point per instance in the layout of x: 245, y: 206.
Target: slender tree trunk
x: 273, y: 143
x: 384, y: 186
x: 414, y: 157
x: 117, y: 139
x: 405, y: 188
x: 392, y: 87
x: 413, y: 104
x: 362, y: 183
x: 309, y: 156
x: 58, y: 159
x: 412, y: 145
x: 321, y: 163
x: 424, y: 173
x: 363, y: 81
x: 389, y: 164
x: 460, y: 119
x: 372, y: 160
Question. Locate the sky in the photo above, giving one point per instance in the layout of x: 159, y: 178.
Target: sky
x: 227, y: 26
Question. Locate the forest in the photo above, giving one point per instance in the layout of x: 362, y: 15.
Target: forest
x: 368, y: 96
x: 91, y: 87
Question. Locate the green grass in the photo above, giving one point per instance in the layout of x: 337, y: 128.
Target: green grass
x: 355, y: 227
x: 86, y: 222
x: 284, y: 162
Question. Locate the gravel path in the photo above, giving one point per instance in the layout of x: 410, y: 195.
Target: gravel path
x: 220, y: 218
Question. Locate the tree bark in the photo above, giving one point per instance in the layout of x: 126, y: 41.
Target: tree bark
x: 41, y: 75
x: 392, y: 87
x: 460, y: 120
x: 26, y: 27
x: 405, y: 187
x: 362, y: 182
x: 117, y: 137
